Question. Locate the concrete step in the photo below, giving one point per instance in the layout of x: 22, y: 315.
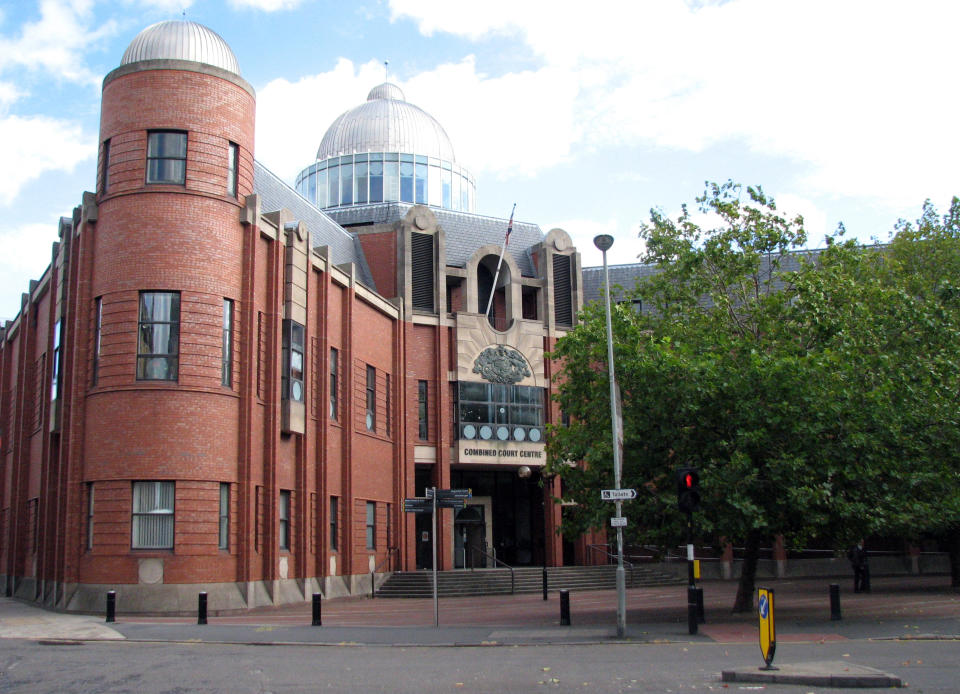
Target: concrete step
x: 418, y: 584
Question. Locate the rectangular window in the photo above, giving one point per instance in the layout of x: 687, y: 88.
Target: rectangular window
x: 371, y: 525
x: 98, y: 324
x: 284, y: 514
x: 55, y: 378
x: 361, y: 181
x: 371, y: 420
x: 233, y: 168
x: 387, y: 406
x: 167, y: 157
x: 334, y: 523
x: 105, y: 172
x: 158, y: 350
x: 420, y: 174
x: 423, y: 432
x: 389, y: 526
x: 89, y: 515
x: 376, y: 181
x: 223, y: 534
x: 152, y: 515
x: 406, y: 178
x: 334, y: 370
x: 226, y: 351
x: 497, y: 411
x: 292, y: 381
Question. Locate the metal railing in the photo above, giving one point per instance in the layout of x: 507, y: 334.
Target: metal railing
x: 513, y: 575
x: 373, y: 574
x: 612, y: 558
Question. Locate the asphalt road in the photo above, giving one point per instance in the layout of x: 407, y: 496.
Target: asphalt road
x: 928, y: 666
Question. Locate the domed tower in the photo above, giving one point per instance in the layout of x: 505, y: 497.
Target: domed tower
x: 387, y: 150
x: 161, y: 413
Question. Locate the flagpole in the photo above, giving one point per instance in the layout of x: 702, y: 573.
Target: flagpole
x: 503, y: 250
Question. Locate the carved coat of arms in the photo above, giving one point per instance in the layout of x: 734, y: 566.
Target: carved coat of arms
x: 501, y: 365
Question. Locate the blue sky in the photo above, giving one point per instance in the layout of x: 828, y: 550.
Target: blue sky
x: 584, y: 114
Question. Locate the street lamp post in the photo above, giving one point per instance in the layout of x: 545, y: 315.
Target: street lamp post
x: 604, y: 242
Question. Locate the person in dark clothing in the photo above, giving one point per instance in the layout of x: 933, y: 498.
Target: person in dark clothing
x: 861, y: 568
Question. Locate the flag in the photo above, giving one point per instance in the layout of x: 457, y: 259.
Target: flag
x: 506, y: 239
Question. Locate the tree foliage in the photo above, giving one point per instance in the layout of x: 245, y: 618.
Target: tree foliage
x: 812, y: 390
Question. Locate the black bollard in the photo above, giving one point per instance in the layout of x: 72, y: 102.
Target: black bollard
x: 835, y: 615
x: 692, y: 609
x: 701, y: 618
x: 111, y: 605
x: 316, y: 610
x: 202, y: 608
x: 544, y: 582
x: 564, y: 608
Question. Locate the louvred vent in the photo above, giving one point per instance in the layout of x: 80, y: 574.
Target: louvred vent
x: 562, y: 291
x: 422, y: 261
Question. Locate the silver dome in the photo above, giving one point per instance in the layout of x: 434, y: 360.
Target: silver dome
x: 181, y: 40
x: 386, y: 123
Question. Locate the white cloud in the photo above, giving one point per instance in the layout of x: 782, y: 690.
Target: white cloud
x: 856, y: 92
x: 290, y: 113
x: 496, y: 125
x: 265, y: 5
x: 57, y: 42
x: 34, y: 145
x: 26, y: 253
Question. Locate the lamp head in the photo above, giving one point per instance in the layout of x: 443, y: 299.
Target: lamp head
x: 603, y: 242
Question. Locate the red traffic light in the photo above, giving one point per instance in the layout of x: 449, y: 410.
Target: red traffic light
x: 688, y: 489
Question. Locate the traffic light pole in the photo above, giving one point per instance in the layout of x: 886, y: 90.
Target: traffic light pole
x: 692, y: 616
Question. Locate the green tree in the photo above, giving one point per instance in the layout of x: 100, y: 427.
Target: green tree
x: 779, y: 374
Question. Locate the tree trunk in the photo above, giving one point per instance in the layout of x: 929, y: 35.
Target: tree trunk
x: 953, y: 550
x: 748, y: 574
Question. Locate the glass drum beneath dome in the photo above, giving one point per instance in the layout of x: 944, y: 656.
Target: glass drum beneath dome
x: 374, y: 177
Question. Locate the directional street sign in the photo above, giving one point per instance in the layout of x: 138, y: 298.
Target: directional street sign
x: 422, y: 504
x: 618, y: 522
x: 618, y: 494
x: 451, y: 493
x: 418, y: 505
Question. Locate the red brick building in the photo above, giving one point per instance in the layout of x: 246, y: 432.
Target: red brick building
x: 218, y: 386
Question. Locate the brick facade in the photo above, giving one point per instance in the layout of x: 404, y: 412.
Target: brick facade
x: 70, y: 461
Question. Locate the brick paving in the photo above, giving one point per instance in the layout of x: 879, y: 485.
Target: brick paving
x: 897, y: 605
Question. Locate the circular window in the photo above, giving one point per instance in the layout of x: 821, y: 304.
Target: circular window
x: 369, y: 421
x: 485, y: 432
x: 535, y: 435
x: 469, y: 432
x: 296, y: 391
x: 503, y: 433
x: 519, y: 434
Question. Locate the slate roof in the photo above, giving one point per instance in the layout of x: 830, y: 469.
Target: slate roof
x: 465, y: 232
x: 627, y: 275
x: 344, y: 246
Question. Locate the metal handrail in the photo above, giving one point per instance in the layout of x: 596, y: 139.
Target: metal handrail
x: 513, y: 576
x: 613, y: 558
x: 373, y: 574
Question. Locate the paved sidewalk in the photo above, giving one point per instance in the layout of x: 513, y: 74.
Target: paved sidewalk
x: 898, y: 608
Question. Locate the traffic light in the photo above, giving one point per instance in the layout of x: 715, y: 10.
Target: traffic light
x: 688, y: 489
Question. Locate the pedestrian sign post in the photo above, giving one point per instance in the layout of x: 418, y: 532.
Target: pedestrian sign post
x: 436, y: 499
x: 768, y: 631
